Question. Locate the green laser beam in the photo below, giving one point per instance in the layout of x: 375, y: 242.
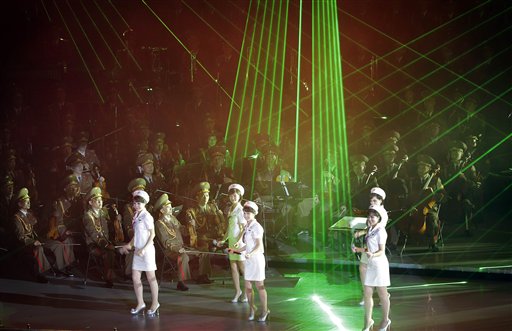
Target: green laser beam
x: 70, y: 34
x: 101, y: 35
x: 86, y: 36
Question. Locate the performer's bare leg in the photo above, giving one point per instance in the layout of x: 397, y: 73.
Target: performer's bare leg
x: 137, y: 287
x: 260, y: 285
x: 235, y: 274
x: 368, y: 305
x: 382, y: 291
x: 153, y: 285
x: 250, y: 297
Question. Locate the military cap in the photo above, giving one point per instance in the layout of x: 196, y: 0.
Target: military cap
x: 457, y: 144
x: 143, y: 125
x: 261, y: 139
x: 202, y: 187
x: 70, y: 180
x: 74, y: 158
x: 22, y: 194
x: 394, y: 134
x: 379, y: 209
x: 162, y: 201
x: 136, y: 184
x: 390, y: 149
x: 251, y: 206
x: 67, y: 141
x: 217, y: 150
x: 423, y: 158
x: 159, y: 136
x: 94, y: 192
x: 7, y: 181
x: 270, y: 148
x: 11, y: 155
x: 83, y: 136
x: 238, y: 187
x: 359, y: 158
x: 68, y: 118
x: 144, y: 158
x: 143, y: 194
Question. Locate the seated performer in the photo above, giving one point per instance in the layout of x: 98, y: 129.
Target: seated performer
x: 64, y: 224
x: 169, y: 232
x: 96, y: 221
x: 426, y: 191
x: 205, y: 224
x: 32, y: 247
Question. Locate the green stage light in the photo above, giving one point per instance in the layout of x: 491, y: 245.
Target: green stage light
x: 496, y: 267
x: 412, y: 287
x: 334, y: 319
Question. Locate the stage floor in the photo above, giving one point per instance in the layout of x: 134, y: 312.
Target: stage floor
x: 466, y: 286
x: 418, y: 303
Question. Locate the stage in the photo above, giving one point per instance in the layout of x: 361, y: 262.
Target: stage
x: 429, y: 292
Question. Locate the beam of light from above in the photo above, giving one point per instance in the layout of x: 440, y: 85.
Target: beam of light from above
x: 89, y: 73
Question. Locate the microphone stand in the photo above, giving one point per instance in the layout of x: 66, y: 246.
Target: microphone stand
x: 286, y: 205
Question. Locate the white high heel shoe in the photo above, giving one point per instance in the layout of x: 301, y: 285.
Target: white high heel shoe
x: 154, y: 312
x: 370, y: 326
x: 252, y: 312
x: 136, y: 311
x: 264, y: 317
x: 386, y: 327
x: 236, y: 297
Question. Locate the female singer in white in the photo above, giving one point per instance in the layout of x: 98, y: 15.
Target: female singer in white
x: 377, y: 273
x: 144, y: 256
x: 377, y: 197
x: 233, y: 235
x: 254, y: 261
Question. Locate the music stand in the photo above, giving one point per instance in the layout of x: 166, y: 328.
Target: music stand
x: 347, y: 225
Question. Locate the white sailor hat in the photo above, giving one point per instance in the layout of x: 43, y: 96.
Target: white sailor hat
x: 252, y: 206
x: 380, y: 210
x: 238, y: 187
x: 378, y: 191
x: 143, y: 194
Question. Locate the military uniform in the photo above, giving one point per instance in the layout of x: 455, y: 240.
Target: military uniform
x: 461, y: 187
x: 154, y: 181
x: 419, y: 197
x: 216, y: 174
x: 169, y: 233
x: 24, y: 223
x: 65, y: 221
x: 206, y: 223
x: 89, y: 156
x: 97, y: 235
x: 84, y: 179
x: 360, y: 183
x: 7, y: 187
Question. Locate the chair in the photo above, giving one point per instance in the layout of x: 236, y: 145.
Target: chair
x: 97, y: 265
x: 167, y: 264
